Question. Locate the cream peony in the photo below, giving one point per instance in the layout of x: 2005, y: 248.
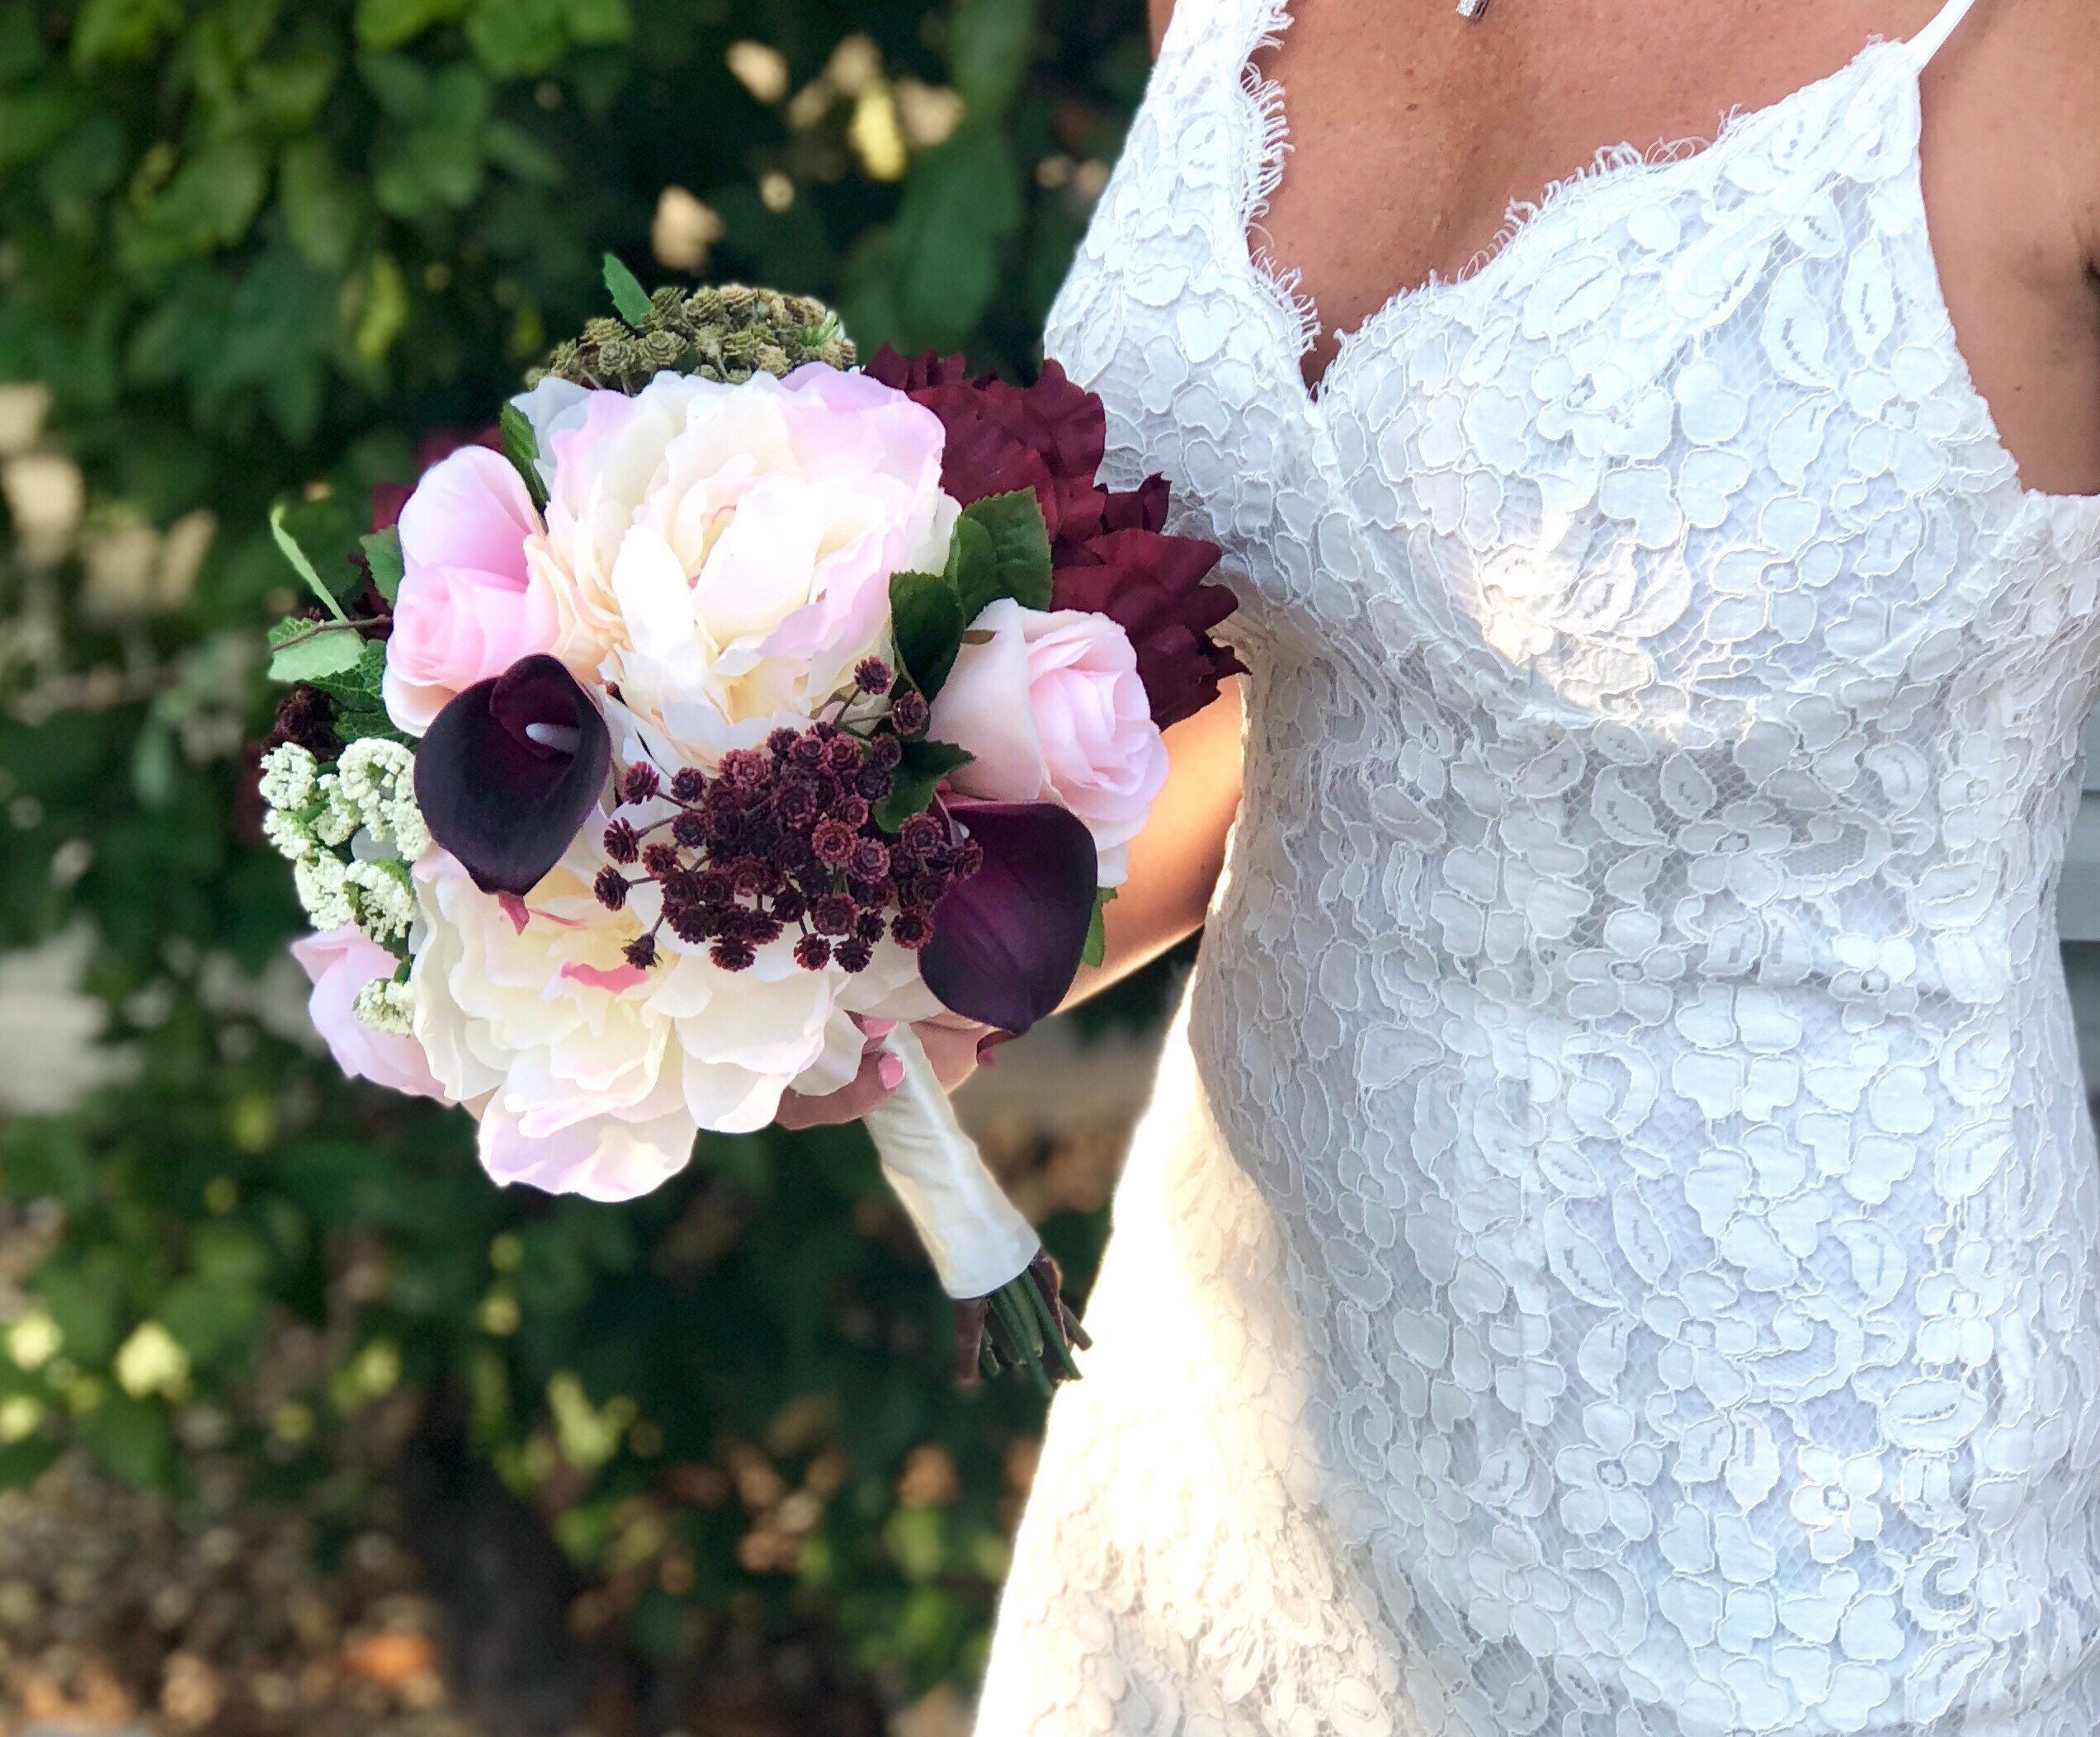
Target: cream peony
x: 722, y: 554
x: 591, y: 1077
x: 1085, y: 737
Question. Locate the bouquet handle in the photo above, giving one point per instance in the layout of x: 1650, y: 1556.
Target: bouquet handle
x: 1010, y: 1312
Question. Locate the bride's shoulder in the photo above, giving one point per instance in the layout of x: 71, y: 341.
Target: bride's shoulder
x: 2022, y: 81
x: 1157, y: 13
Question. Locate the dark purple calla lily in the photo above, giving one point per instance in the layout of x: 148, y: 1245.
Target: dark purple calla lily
x: 509, y: 770
x: 1007, y: 942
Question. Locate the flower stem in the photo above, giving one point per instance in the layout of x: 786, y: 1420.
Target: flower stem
x: 1024, y: 1326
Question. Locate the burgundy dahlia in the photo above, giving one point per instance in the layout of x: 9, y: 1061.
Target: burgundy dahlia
x: 1110, y: 551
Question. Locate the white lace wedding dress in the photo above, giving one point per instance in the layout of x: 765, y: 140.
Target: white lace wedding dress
x: 1613, y: 1250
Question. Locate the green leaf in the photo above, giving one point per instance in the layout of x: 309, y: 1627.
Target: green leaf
x: 1097, y: 947
x: 131, y: 1438
x: 1020, y: 544
x: 598, y: 23
x: 353, y: 724
x: 401, y: 85
x: 426, y: 169
x: 35, y: 119
x: 323, y: 212
x: 917, y: 776
x: 209, y: 204
x: 926, y: 621
x: 317, y: 651
x: 435, y: 161
x: 83, y: 1291
x: 628, y: 298
x: 358, y: 687
x: 156, y: 765
x: 989, y: 44
x: 288, y: 95
x: 383, y: 555
x: 509, y: 147
x: 24, y: 1461
x: 385, y: 24
x: 21, y: 43
x: 210, y: 1318
x: 515, y: 38
x: 47, y: 1157
x: 300, y: 565
x: 973, y: 571
x: 122, y: 30
x: 521, y: 447
x: 962, y: 202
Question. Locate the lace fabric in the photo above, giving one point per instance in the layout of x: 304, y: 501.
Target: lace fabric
x: 1612, y: 1251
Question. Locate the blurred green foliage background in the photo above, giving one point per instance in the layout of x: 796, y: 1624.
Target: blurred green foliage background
x: 254, y: 250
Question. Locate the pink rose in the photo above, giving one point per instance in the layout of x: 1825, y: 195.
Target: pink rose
x: 470, y: 608
x: 1085, y: 738
x: 340, y: 963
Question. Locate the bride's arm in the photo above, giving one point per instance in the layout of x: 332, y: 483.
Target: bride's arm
x: 1174, y: 864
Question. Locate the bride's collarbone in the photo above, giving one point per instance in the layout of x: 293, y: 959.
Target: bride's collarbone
x: 1412, y: 134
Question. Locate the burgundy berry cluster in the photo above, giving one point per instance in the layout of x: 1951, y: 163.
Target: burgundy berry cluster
x: 784, y: 838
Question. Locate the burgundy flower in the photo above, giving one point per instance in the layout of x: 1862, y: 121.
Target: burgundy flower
x: 1110, y: 553
x: 908, y: 713
x: 833, y: 841
x: 509, y: 772
x: 1049, y: 436
x: 1152, y: 586
x: 1007, y: 936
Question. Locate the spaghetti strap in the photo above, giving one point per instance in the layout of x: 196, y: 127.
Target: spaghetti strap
x: 1931, y: 39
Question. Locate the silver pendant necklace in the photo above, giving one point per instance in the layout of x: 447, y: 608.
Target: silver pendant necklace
x: 1473, y: 9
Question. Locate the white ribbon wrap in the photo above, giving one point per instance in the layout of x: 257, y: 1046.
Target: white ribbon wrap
x: 976, y: 1236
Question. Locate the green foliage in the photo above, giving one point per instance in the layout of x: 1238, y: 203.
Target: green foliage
x: 1000, y: 549
x: 1012, y: 559
x: 918, y: 775
x: 926, y: 616
x: 259, y: 252
x: 630, y: 300
x: 1097, y: 945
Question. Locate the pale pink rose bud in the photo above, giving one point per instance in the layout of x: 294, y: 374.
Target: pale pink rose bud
x: 468, y: 608
x: 1085, y: 738
x: 340, y: 963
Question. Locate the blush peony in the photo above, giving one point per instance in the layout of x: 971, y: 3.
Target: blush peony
x: 1085, y: 737
x: 722, y: 554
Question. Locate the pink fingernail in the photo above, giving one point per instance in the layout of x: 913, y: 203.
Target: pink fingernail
x: 877, y: 1028
x: 890, y: 1071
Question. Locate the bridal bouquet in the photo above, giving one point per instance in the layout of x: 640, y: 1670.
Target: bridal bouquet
x: 730, y: 708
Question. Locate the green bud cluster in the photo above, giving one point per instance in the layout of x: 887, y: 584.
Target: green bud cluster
x: 728, y: 331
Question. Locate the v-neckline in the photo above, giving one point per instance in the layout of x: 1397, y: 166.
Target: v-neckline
x: 1613, y: 165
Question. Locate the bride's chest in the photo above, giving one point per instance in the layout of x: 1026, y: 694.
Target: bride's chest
x: 1698, y: 431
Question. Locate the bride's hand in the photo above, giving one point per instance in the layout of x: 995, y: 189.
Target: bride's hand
x: 951, y: 1045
